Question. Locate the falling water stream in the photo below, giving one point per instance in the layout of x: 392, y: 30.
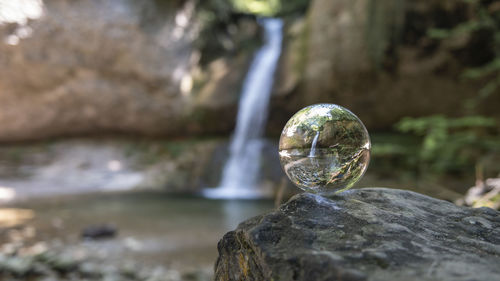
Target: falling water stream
x: 241, y: 171
x: 312, y: 153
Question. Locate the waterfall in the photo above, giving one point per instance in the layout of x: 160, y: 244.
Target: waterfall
x: 312, y: 153
x: 241, y: 171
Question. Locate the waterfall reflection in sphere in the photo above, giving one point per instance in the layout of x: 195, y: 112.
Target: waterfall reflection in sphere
x: 324, y: 149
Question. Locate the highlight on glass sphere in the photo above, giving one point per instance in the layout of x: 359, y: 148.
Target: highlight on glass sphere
x: 324, y: 149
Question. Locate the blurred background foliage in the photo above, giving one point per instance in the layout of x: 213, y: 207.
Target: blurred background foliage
x: 458, y: 144
x: 451, y: 144
x: 270, y: 8
x: 484, y: 21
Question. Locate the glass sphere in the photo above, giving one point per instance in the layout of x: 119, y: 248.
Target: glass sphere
x: 324, y: 148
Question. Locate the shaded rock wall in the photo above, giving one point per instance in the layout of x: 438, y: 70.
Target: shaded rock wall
x: 376, y: 59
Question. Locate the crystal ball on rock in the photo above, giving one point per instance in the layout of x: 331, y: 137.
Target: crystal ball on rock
x: 324, y: 148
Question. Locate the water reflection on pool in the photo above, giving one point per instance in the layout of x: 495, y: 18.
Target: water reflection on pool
x: 154, y: 228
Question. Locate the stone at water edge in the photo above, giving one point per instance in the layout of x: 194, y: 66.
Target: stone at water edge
x: 364, y: 234
x: 99, y: 231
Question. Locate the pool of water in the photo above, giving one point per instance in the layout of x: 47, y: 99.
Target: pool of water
x: 153, y: 228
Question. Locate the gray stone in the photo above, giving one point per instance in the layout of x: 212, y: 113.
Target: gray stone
x: 364, y: 234
x: 19, y: 266
x: 100, y: 231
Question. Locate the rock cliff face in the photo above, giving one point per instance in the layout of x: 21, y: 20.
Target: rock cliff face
x: 364, y: 234
x: 84, y: 67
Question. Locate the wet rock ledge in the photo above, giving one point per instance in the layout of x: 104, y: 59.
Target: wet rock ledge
x: 364, y: 234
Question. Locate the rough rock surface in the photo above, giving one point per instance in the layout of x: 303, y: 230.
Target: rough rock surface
x: 87, y: 67
x: 364, y: 234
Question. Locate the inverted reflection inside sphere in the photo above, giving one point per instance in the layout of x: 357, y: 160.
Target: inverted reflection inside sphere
x: 324, y: 148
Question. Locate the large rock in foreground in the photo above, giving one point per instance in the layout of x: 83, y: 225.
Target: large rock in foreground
x: 365, y: 234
